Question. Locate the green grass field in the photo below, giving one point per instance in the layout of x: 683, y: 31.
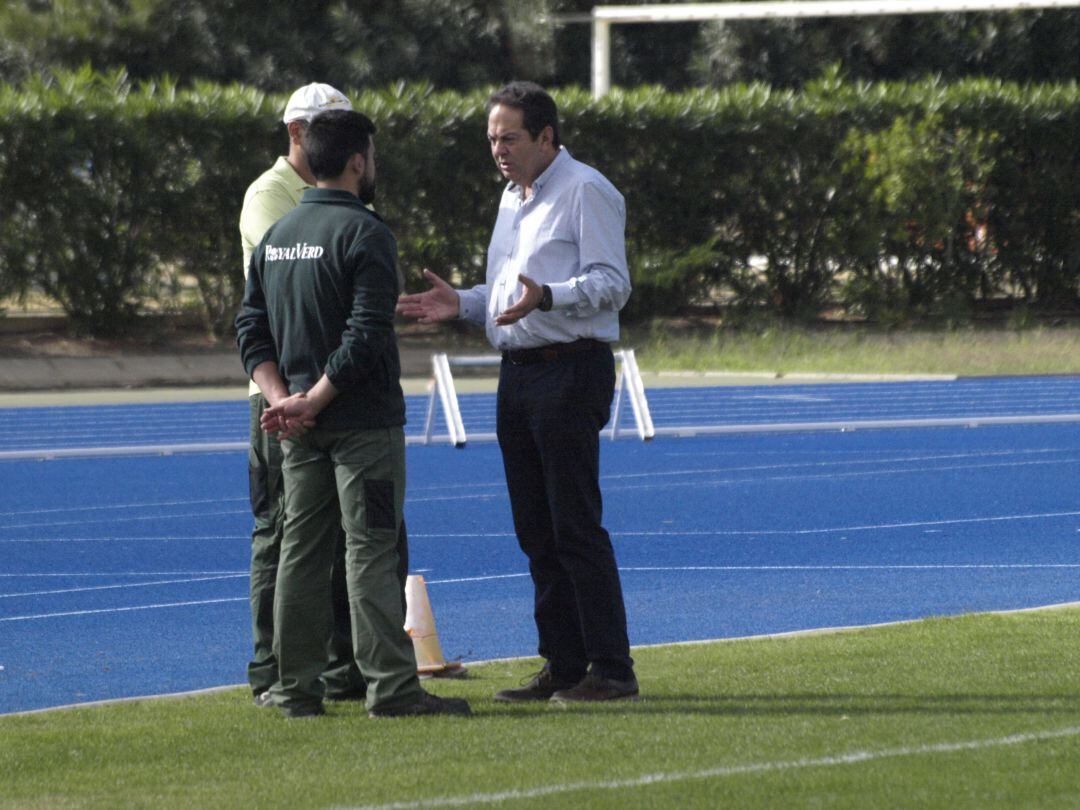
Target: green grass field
x: 966, y: 712
x: 858, y: 350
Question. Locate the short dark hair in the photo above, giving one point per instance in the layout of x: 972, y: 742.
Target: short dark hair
x: 334, y: 136
x: 537, y: 107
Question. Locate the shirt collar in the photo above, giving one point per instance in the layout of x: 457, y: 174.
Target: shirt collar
x: 288, y: 174
x: 561, y: 157
x: 314, y: 194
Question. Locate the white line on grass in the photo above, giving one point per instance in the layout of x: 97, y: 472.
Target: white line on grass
x: 851, y: 758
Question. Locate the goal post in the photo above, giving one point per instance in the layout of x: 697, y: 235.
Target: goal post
x: 603, y: 17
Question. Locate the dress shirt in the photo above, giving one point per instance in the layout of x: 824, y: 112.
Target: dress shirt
x: 568, y: 235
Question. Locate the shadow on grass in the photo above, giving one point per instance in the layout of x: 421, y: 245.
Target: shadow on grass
x: 846, y: 705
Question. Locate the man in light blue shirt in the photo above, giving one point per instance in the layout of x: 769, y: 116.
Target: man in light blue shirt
x: 556, y: 280
x: 566, y: 234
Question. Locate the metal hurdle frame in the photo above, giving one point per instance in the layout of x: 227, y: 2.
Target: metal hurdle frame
x: 628, y: 386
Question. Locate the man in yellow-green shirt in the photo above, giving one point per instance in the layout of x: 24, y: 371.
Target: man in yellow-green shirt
x: 273, y: 194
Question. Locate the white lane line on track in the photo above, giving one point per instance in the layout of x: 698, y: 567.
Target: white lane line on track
x: 768, y: 568
x: 494, y: 577
x: 109, y: 507
x: 192, y: 516
x: 122, y: 609
x: 723, y: 771
x: 899, y: 567
x: 862, y: 461
x: 83, y: 574
x: 165, y: 538
x: 471, y: 487
x: 122, y: 586
x: 915, y: 524
x: 836, y: 476
x: 618, y: 533
x: 486, y: 578
x: 625, y: 488
x: 499, y: 486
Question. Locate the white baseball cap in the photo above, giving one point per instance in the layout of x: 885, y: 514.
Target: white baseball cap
x: 312, y: 99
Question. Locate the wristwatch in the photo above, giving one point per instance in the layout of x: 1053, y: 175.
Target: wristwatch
x: 545, y: 299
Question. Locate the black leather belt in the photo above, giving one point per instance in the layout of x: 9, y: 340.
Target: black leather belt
x: 551, y: 352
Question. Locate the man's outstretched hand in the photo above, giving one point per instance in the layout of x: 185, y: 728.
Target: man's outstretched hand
x: 440, y: 303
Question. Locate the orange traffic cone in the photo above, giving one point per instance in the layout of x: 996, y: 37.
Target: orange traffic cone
x: 420, y: 625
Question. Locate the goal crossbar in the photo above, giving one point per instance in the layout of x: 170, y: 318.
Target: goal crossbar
x: 603, y: 17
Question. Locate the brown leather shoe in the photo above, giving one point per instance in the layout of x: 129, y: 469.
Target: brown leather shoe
x: 543, y: 685
x: 593, y: 688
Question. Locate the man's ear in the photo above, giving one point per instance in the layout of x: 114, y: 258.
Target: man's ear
x: 296, y: 132
x: 357, y: 162
x: 547, y: 136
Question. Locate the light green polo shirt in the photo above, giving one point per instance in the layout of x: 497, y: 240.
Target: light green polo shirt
x: 276, y: 192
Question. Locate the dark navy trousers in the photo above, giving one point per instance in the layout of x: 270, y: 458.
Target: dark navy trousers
x: 549, y: 416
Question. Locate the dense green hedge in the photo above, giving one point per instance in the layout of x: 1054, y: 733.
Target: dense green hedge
x: 892, y: 201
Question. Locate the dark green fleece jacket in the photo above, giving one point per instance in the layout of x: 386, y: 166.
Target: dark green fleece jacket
x: 320, y: 297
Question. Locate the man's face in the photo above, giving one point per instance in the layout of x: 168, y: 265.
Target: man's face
x: 366, y: 183
x: 520, y: 157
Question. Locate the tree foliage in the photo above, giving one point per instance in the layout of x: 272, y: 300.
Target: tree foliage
x: 891, y: 200
x: 460, y: 44
x: 278, y: 44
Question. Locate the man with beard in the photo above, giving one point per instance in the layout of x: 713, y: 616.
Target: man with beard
x: 316, y: 335
x: 272, y: 195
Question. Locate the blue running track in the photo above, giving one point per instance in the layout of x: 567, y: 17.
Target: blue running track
x: 124, y: 576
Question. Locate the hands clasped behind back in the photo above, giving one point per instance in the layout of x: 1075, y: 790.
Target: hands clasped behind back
x: 289, y: 417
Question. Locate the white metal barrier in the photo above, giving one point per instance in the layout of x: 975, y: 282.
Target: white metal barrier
x: 628, y: 386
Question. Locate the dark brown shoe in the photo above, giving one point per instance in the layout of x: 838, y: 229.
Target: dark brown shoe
x: 593, y: 688
x: 542, y: 686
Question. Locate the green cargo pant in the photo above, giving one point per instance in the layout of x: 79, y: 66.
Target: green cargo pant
x: 364, y: 472
x: 342, y: 678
